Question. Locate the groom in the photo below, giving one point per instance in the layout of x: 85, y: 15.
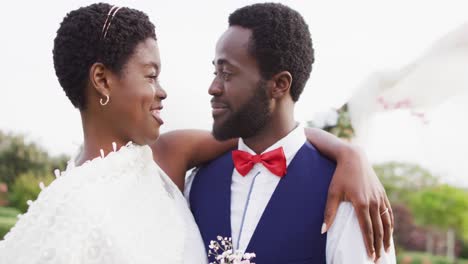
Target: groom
x: 269, y: 195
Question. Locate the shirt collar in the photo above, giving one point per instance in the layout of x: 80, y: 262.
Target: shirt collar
x: 291, y: 143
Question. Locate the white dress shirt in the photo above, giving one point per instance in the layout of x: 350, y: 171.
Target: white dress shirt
x: 251, y: 193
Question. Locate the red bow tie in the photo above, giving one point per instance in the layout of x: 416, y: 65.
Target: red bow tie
x: 274, y: 161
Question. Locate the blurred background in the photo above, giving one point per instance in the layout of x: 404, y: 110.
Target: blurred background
x: 391, y: 77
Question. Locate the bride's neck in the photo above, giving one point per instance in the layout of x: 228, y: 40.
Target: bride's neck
x: 97, y: 136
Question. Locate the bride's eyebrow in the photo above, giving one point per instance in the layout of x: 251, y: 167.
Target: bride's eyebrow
x: 152, y: 65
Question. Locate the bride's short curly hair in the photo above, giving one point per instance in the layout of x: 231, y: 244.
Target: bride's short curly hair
x: 79, y: 44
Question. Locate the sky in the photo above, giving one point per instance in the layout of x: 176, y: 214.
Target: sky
x: 352, y: 39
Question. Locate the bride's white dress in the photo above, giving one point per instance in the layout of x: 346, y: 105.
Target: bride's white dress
x: 120, y: 209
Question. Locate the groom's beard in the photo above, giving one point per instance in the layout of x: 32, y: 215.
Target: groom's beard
x: 250, y: 119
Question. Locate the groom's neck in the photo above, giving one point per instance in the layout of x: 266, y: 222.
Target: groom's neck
x: 276, y: 128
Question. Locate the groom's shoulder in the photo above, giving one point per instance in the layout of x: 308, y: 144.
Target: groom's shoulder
x: 225, y: 158
x: 310, y: 153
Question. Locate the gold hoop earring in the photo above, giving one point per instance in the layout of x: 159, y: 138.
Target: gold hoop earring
x: 104, y: 103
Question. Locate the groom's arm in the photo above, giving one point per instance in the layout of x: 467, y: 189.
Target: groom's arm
x: 180, y: 150
x: 355, y: 180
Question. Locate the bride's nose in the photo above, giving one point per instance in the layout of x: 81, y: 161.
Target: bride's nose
x: 160, y: 93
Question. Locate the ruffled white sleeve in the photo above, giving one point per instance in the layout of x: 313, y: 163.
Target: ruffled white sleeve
x: 115, y: 210
x: 58, y: 228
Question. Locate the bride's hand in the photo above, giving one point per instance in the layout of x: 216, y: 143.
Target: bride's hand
x: 355, y: 181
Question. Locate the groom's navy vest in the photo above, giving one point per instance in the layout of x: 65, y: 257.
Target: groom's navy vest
x: 289, y: 229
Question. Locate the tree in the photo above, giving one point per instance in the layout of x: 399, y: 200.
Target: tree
x: 442, y: 208
x: 401, y: 180
x: 18, y: 157
x: 26, y: 187
x: 337, y: 123
x: 407, y: 234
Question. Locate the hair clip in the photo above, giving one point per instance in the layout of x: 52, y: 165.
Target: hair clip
x: 112, y: 12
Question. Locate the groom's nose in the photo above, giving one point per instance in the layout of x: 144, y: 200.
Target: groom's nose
x: 216, y: 88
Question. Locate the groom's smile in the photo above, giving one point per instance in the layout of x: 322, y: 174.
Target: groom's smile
x: 218, y: 108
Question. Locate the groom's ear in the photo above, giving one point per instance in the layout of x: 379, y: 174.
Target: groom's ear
x: 281, y: 84
x: 99, y: 77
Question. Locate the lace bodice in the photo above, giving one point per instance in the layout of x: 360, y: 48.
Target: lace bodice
x: 117, y: 209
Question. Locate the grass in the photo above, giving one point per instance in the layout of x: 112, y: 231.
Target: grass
x: 424, y: 258
x: 8, y: 212
x: 7, y: 219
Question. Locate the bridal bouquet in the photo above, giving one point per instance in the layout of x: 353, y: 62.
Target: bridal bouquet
x: 223, y: 252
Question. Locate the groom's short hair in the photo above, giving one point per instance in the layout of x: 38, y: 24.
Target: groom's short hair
x: 280, y: 41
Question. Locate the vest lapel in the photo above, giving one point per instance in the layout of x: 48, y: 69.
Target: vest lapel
x: 210, y: 199
x: 294, y: 211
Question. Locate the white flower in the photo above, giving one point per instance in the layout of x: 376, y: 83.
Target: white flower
x: 249, y: 255
x: 225, y: 254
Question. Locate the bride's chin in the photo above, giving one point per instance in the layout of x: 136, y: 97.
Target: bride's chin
x: 153, y: 137
x: 147, y: 138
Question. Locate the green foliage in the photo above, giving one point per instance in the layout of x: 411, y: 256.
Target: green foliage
x: 18, y: 157
x: 432, y: 205
x: 7, y: 219
x: 401, y: 180
x: 442, y: 207
x: 26, y: 187
x: 423, y: 258
x: 8, y: 212
x: 343, y: 128
x: 22, y: 166
x: 464, y: 250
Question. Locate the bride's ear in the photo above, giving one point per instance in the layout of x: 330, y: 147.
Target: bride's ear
x: 99, y: 77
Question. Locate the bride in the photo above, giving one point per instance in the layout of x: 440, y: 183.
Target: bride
x: 114, y: 203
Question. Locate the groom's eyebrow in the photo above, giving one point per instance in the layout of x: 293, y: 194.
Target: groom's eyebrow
x: 221, y: 62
